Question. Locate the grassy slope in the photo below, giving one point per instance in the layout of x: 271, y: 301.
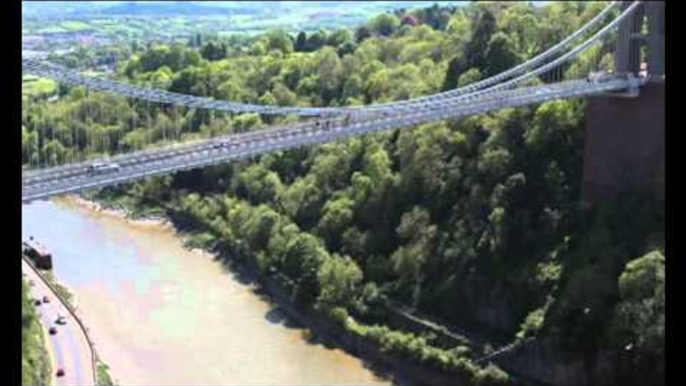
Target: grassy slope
x: 33, y: 86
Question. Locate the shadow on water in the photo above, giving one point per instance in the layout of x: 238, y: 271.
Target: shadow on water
x: 380, y: 370
x: 279, y: 316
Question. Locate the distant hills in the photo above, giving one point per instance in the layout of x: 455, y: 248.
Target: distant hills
x: 78, y: 9
x: 130, y: 8
x: 172, y: 8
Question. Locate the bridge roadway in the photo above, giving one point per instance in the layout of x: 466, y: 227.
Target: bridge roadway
x: 61, y: 180
x: 75, y: 169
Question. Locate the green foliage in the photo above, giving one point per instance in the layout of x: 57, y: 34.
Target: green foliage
x: 640, y: 315
x: 338, y: 279
x: 532, y: 323
x: 491, y: 375
x: 501, y: 54
x: 258, y: 184
x: 469, y: 77
x: 385, y: 24
x: 35, y: 365
x: 104, y: 378
x: 279, y: 40
x: 411, y: 346
x: 212, y: 51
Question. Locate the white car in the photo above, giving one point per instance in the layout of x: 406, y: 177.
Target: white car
x: 102, y: 168
x: 600, y: 77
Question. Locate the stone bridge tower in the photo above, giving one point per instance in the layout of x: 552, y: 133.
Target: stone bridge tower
x: 625, y: 137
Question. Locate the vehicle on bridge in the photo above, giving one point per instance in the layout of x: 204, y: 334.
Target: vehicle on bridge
x: 224, y: 143
x: 102, y: 168
x: 600, y: 77
x: 37, y: 253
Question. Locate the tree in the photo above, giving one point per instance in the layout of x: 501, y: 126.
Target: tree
x: 328, y: 81
x: 469, y: 77
x: 641, y: 312
x: 408, y: 260
x: 213, y: 51
x: 258, y: 48
x: 230, y: 91
x: 153, y: 58
x: 338, y: 279
x: 500, y: 55
x: 456, y: 67
x: 279, y: 40
x: 304, y: 256
x: 262, y: 223
x: 301, y: 42
x: 385, y: 24
x: 346, y: 48
x: 362, y: 34
x: 337, y: 216
x: 258, y: 184
x: 339, y: 37
x: 284, y: 96
x: 481, y: 36
x: 315, y: 41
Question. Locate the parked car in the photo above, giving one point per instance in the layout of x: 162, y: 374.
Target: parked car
x: 61, y: 320
x: 46, y: 299
x: 52, y: 330
x: 60, y: 372
x: 37, y: 302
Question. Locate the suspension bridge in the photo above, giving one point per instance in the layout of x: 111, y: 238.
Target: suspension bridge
x: 569, y: 69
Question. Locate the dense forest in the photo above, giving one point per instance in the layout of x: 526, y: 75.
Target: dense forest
x: 475, y: 222
x: 35, y: 366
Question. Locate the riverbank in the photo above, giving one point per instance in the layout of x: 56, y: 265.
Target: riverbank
x: 153, y: 222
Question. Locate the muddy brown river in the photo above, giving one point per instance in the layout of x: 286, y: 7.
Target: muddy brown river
x: 160, y: 314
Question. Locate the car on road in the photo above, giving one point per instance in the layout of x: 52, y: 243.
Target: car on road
x: 102, y: 168
x: 61, y: 320
x: 60, y: 372
x: 223, y: 144
x: 600, y: 77
x: 52, y: 330
x: 46, y: 299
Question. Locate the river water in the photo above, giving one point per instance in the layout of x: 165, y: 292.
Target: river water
x: 160, y: 314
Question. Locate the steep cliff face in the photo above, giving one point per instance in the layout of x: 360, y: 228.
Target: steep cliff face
x: 545, y: 362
